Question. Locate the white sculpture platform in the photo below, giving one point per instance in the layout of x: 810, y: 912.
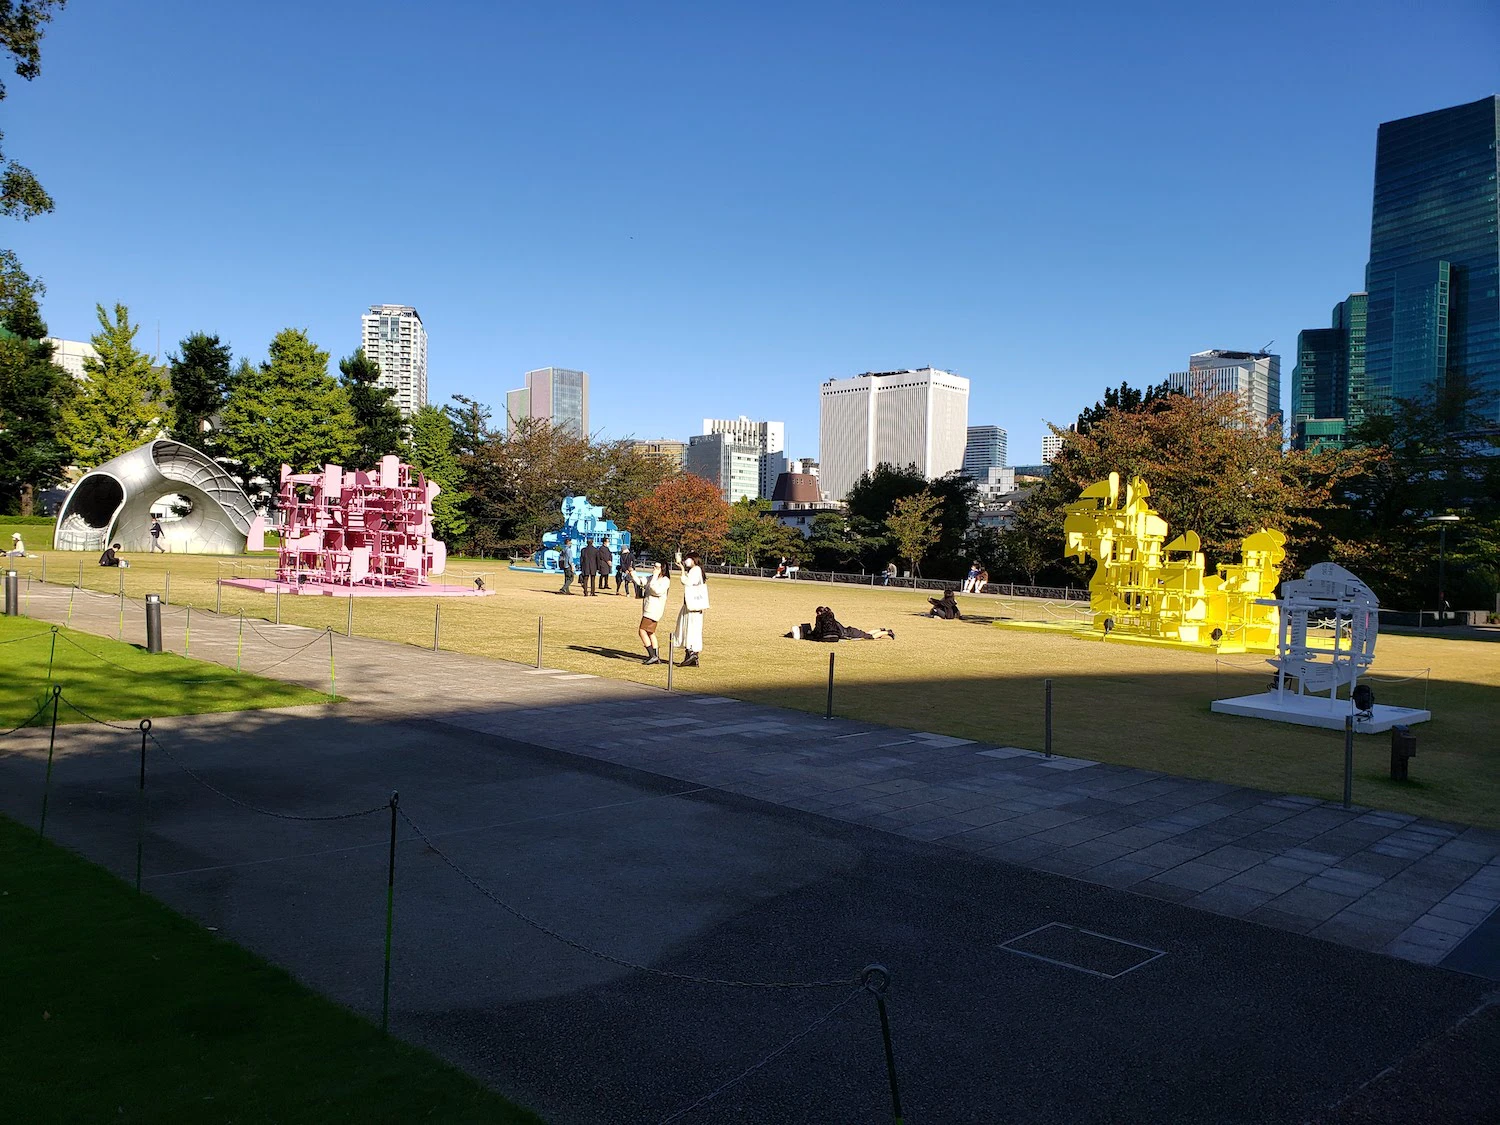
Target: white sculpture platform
x: 1317, y: 711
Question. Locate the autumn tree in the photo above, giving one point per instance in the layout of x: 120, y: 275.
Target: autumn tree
x: 915, y: 524
x: 288, y: 409
x: 682, y: 513
x: 123, y: 400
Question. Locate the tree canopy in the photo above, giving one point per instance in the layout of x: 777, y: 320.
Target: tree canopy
x: 22, y: 25
x: 431, y: 449
x: 123, y: 400
x: 378, y: 426
x: 200, y: 379
x: 682, y: 513
x: 33, y: 391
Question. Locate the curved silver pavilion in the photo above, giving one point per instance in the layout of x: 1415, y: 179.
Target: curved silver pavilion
x: 112, y: 504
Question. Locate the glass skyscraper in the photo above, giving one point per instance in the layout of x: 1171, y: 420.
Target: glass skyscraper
x: 1328, y: 383
x: 1434, y: 272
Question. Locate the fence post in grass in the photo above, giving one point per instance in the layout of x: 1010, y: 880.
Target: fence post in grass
x: 122, y: 582
x: 140, y: 836
x: 349, y: 621
x: 875, y: 979
x: 1047, y: 742
x: 218, y: 596
x: 390, y: 913
x: 80, y: 572
x: 41, y: 830
x: 828, y: 714
x: 239, y: 650
x: 539, y: 642
x: 1348, y: 759
x: 187, y: 632
x: 51, y: 655
x: 437, y: 623
x: 44, y: 570
x: 332, y: 695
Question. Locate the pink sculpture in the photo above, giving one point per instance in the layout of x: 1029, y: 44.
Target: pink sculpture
x: 358, y: 529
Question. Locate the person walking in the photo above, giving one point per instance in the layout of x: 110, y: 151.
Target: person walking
x: 606, y: 564
x: 156, y: 536
x: 625, y: 577
x: 689, y: 632
x: 653, y: 605
x: 588, y: 568
x: 565, y: 560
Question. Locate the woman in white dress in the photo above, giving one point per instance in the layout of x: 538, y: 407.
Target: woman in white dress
x: 689, y: 633
x: 653, y: 607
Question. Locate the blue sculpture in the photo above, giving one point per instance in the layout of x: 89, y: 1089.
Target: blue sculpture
x: 582, y: 523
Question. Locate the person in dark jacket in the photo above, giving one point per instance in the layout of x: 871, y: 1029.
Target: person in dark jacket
x: 588, y: 568
x: 826, y: 627
x: 565, y: 560
x: 111, y: 556
x: 624, y: 573
x: 944, y: 608
x: 606, y: 564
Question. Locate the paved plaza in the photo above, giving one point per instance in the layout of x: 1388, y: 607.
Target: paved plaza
x: 717, y: 838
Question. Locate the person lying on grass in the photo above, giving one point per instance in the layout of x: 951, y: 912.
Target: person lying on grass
x: 826, y: 627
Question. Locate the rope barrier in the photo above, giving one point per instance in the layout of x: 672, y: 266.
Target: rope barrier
x: 291, y: 655
x: 781, y: 1050
x: 185, y: 768
x: 610, y: 958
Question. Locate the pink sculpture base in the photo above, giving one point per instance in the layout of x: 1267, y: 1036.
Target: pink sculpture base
x: 333, y: 590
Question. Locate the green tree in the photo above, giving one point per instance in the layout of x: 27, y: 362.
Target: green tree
x: 834, y: 545
x: 288, y: 410
x: 33, y: 390
x: 431, y: 450
x: 200, y: 383
x: 123, y: 400
x: 377, y: 419
x: 22, y: 25
x: 756, y: 536
x: 471, y: 425
x: 915, y: 525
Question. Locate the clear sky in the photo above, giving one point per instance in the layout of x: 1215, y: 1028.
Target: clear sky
x: 712, y: 208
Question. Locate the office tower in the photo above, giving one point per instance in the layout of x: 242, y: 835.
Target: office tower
x: 1434, y: 270
x: 1328, y: 381
x: 664, y: 449
x: 985, y: 450
x: 1254, y: 376
x: 768, y: 437
x: 555, y: 395
x: 395, y: 339
x: 732, y: 466
x: 70, y: 354
x: 1051, y: 446
x: 896, y: 418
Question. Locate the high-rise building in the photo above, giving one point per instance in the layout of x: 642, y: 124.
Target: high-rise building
x: 1434, y: 271
x: 1254, y: 376
x: 552, y: 394
x: 768, y: 437
x: 395, y: 339
x: 1051, y: 446
x: 898, y: 418
x: 665, y: 449
x: 732, y: 466
x: 1329, y: 379
x: 985, y: 450
x: 70, y: 354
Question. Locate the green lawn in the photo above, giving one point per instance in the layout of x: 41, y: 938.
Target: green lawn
x: 110, y: 680
x: 115, y: 1009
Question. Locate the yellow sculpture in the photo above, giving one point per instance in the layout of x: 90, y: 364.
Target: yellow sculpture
x: 1146, y: 587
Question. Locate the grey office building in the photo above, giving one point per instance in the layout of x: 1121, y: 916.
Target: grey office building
x: 985, y: 451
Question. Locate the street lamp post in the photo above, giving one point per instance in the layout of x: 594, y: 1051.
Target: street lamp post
x: 1442, y: 522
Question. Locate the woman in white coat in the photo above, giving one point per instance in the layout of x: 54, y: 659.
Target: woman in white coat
x: 653, y: 607
x: 689, y: 633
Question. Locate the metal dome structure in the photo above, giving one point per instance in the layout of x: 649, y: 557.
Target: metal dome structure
x: 112, y: 504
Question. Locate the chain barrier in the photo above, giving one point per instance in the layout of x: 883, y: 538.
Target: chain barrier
x: 135, y: 729
x: 27, y: 637
x: 293, y: 654
x: 45, y: 704
x: 192, y: 773
x: 272, y: 641
x: 779, y: 1051
x: 573, y: 943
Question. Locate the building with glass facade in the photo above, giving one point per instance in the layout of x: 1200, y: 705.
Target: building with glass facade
x: 1434, y: 270
x: 1328, y: 383
x: 552, y: 394
x: 1254, y: 377
x: 986, y: 450
x: 733, y: 467
x: 768, y: 437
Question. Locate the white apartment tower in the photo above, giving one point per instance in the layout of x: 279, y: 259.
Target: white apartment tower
x: 899, y: 418
x: 768, y: 438
x: 395, y: 339
x: 1254, y: 376
x: 1051, y: 446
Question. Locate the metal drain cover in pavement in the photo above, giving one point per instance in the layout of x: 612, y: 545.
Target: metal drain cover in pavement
x: 1096, y: 954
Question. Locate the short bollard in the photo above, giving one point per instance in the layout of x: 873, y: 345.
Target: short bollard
x: 153, y: 623
x: 828, y: 711
x: 539, y: 642
x: 140, y: 835
x: 1403, y: 750
x: 669, y: 661
x: 1047, y: 743
x: 390, y: 914
x: 332, y: 693
x: 876, y: 979
x: 437, y: 624
x: 41, y: 829
x: 1348, y: 759
x: 12, y: 594
x: 239, y: 649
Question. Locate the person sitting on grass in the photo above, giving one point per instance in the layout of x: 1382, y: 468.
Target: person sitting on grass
x: 826, y: 627
x: 111, y: 556
x: 17, y: 548
x: 944, y: 608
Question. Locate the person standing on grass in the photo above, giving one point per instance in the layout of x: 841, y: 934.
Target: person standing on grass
x: 606, y: 564
x: 890, y: 572
x: 625, y: 575
x: 588, y: 568
x: 689, y: 632
x: 156, y: 536
x: 654, y: 605
x: 565, y: 560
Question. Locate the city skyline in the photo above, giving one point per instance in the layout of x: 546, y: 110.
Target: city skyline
x: 643, y: 266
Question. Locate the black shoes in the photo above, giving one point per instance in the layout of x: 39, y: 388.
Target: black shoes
x: 689, y: 661
x: 652, y: 658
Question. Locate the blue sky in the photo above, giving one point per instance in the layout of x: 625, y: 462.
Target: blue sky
x: 714, y: 208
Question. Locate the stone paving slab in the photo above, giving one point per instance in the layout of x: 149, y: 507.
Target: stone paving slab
x: 1348, y: 875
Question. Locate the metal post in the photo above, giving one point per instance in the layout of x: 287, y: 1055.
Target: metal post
x: 278, y: 603
x: 52, y: 654
x: 153, y: 623
x: 1442, y: 597
x: 1348, y: 759
x: 437, y: 623
x: 12, y: 594
x: 390, y: 913
x: 41, y: 830
x: 332, y: 694
x: 1048, y: 743
x: 669, y: 661
x: 122, y: 581
x: 218, y: 596
x: 69, y: 619
x: 120, y: 629
x: 80, y: 572
x: 44, y: 570
x: 828, y: 714
x: 140, y: 838
x: 876, y: 979
x: 349, y: 622
x: 187, y: 631
x: 167, y: 595
x: 539, y: 641
x: 239, y: 651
